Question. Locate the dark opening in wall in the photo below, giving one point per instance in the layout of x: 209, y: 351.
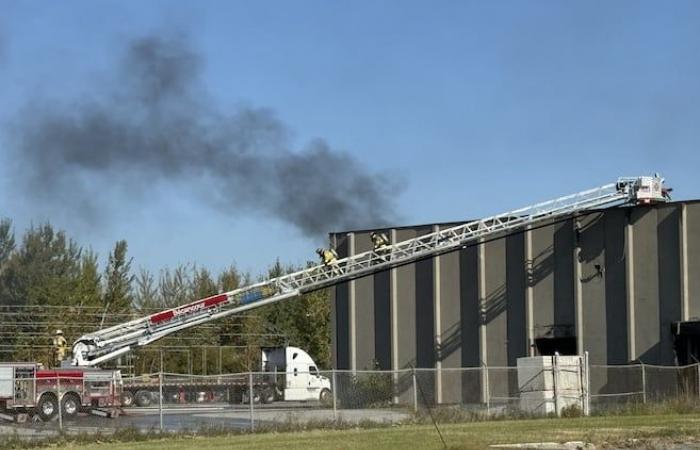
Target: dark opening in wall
x: 686, y: 341
x: 548, y: 346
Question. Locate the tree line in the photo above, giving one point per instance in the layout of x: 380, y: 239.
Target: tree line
x: 48, y: 281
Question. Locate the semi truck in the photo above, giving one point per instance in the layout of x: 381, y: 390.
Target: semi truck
x: 286, y: 374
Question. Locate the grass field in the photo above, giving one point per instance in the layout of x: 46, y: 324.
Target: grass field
x: 647, y: 430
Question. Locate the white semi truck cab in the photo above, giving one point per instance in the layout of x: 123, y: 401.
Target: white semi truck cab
x: 296, y: 374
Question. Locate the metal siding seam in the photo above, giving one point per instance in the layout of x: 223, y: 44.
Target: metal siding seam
x: 353, y: 311
x: 394, y: 326
x: 685, y: 294
x: 578, y: 288
x: 438, y: 325
x: 481, y: 287
x: 629, y: 266
x: 529, y: 294
x: 334, y: 319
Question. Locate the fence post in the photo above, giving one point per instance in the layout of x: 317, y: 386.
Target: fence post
x: 335, y: 395
x: 697, y: 366
x: 250, y: 400
x: 58, y: 394
x: 487, y: 394
x: 555, y: 383
x: 395, y: 386
x: 415, y: 391
x: 587, y: 385
x: 160, y: 392
x: 644, y: 383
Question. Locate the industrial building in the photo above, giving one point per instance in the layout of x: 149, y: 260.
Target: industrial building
x: 622, y: 284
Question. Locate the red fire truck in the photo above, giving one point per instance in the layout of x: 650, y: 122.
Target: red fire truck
x: 28, y: 389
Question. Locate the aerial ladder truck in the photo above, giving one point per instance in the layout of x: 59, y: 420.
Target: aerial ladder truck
x: 106, y: 344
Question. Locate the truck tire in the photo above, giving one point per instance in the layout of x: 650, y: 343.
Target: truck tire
x: 246, y: 397
x: 268, y: 395
x: 143, y: 398
x: 127, y: 398
x: 326, y: 397
x: 70, y: 405
x: 47, y: 408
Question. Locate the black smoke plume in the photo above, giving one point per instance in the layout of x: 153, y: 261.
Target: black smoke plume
x: 156, y: 124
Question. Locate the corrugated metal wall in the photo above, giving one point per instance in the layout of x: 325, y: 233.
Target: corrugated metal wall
x: 613, y: 279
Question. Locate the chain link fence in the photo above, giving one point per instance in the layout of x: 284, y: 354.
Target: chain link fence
x: 166, y: 402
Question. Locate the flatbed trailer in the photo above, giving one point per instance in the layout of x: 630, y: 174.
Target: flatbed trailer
x: 287, y: 373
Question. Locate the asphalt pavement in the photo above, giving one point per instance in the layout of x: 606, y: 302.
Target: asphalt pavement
x: 194, y: 417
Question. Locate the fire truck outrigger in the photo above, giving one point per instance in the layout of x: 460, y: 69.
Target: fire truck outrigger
x: 95, y: 348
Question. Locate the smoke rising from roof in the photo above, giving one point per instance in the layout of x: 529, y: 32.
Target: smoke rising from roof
x: 157, y: 124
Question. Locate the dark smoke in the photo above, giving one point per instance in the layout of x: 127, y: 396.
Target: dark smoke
x: 156, y: 124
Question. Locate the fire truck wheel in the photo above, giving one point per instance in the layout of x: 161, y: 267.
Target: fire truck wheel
x: 143, y: 398
x: 326, y: 397
x: 268, y: 395
x: 70, y: 405
x: 47, y: 407
x: 127, y: 398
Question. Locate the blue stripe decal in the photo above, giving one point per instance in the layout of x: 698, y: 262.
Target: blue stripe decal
x: 250, y: 297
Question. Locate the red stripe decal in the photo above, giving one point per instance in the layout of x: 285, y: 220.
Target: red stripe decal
x: 206, y: 303
x: 59, y: 373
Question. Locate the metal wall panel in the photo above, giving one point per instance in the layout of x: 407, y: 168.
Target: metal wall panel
x: 364, y: 310
x: 382, y: 319
x: 564, y: 310
x: 515, y: 298
x: 342, y: 313
x: 591, y: 242
x: 406, y: 310
x: 425, y: 309
x: 615, y: 276
x: 470, y: 320
x: 450, y: 351
x: 693, y: 254
x: 669, y: 275
x: 646, y: 285
x: 494, y: 303
x: 541, y: 279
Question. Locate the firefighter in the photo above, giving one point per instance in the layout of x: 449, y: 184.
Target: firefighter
x: 329, y: 258
x: 60, y: 347
x: 379, y: 240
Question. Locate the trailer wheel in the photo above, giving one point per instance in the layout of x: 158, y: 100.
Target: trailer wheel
x: 325, y: 397
x: 70, y: 405
x: 246, y: 397
x: 47, y: 407
x: 268, y: 395
x: 143, y: 398
x: 127, y: 398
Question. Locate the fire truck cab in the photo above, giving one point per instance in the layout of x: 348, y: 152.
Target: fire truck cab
x: 28, y: 388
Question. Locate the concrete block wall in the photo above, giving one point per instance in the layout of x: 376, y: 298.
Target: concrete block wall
x: 615, y: 279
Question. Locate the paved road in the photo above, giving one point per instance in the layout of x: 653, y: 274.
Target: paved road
x: 195, y: 417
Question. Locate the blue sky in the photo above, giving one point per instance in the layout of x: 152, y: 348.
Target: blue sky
x: 474, y: 107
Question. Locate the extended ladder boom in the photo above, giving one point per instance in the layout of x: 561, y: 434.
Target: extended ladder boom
x: 106, y: 344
